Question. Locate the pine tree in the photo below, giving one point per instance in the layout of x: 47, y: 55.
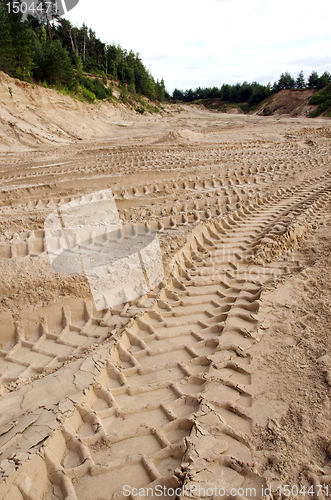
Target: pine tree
x: 60, y: 65
x: 323, y: 80
x: 300, y: 82
x: 286, y: 81
x: 312, y: 80
x: 160, y: 90
x: 6, y: 45
x: 23, y: 50
x: 16, y: 44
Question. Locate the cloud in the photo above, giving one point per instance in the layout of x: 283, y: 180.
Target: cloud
x: 199, y: 44
x: 312, y: 61
x: 190, y: 44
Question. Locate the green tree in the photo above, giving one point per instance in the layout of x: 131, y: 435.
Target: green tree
x: 60, y: 68
x: 79, y: 67
x: 177, y: 95
x: 47, y: 48
x: 6, y: 42
x: 23, y: 49
x: 225, y: 92
x: 312, y: 80
x: 323, y: 80
x: 160, y: 90
x: 300, y: 82
x: 16, y: 44
x: 286, y: 81
x: 148, y: 86
x: 259, y: 93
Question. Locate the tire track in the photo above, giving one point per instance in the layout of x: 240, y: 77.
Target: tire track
x: 221, y: 196
x: 51, y: 347
x: 171, y: 405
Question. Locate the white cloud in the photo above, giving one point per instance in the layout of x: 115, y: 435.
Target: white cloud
x: 190, y: 43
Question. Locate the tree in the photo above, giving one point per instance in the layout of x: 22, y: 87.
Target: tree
x: 16, y: 47
x: 23, y: 50
x: 60, y: 69
x: 225, y: 92
x: 6, y: 45
x: 286, y: 81
x: 323, y: 80
x: 177, y: 95
x: 312, y: 80
x: 160, y: 90
x: 259, y: 93
x: 148, y: 86
x: 188, y: 95
x: 64, y: 32
x: 48, y: 47
x: 79, y: 67
x: 49, y: 12
x: 39, y: 44
x: 245, y: 92
x: 300, y: 82
x: 84, y: 29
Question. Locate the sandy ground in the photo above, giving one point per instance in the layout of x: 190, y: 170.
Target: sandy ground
x: 217, y: 382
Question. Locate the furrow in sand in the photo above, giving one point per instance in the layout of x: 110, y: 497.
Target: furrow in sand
x: 233, y: 241
x: 168, y: 405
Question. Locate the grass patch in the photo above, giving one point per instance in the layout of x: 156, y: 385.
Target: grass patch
x: 95, y: 90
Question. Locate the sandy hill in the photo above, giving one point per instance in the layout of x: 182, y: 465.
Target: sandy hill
x: 31, y: 116
x: 288, y: 102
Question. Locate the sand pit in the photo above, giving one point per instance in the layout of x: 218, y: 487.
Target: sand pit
x: 214, y: 384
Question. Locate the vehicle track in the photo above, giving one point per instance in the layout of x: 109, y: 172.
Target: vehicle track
x: 47, y: 348
x: 204, y: 199
x: 171, y: 404
x: 114, y: 165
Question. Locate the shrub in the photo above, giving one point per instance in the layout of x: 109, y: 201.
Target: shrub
x: 87, y: 95
x: 322, y: 99
x: 99, y: 89
x: 124, y: 93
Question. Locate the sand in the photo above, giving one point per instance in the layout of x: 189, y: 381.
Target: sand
x: 217, y: 382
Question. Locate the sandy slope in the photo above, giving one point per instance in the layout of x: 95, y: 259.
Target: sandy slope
x: 219, y: 377
x: 288, y: 102
x: 33, y: 116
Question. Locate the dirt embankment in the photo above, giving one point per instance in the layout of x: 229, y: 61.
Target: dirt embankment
x: 32, y: 116
x: 288, y: 102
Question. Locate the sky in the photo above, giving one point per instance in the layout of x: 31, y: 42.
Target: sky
x: 191, y: 43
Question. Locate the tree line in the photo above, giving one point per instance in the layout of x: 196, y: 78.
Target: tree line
x: 53, y: 52
x: 253, y: 93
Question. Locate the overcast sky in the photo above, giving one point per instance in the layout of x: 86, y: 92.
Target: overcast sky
x: 192, y: 43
